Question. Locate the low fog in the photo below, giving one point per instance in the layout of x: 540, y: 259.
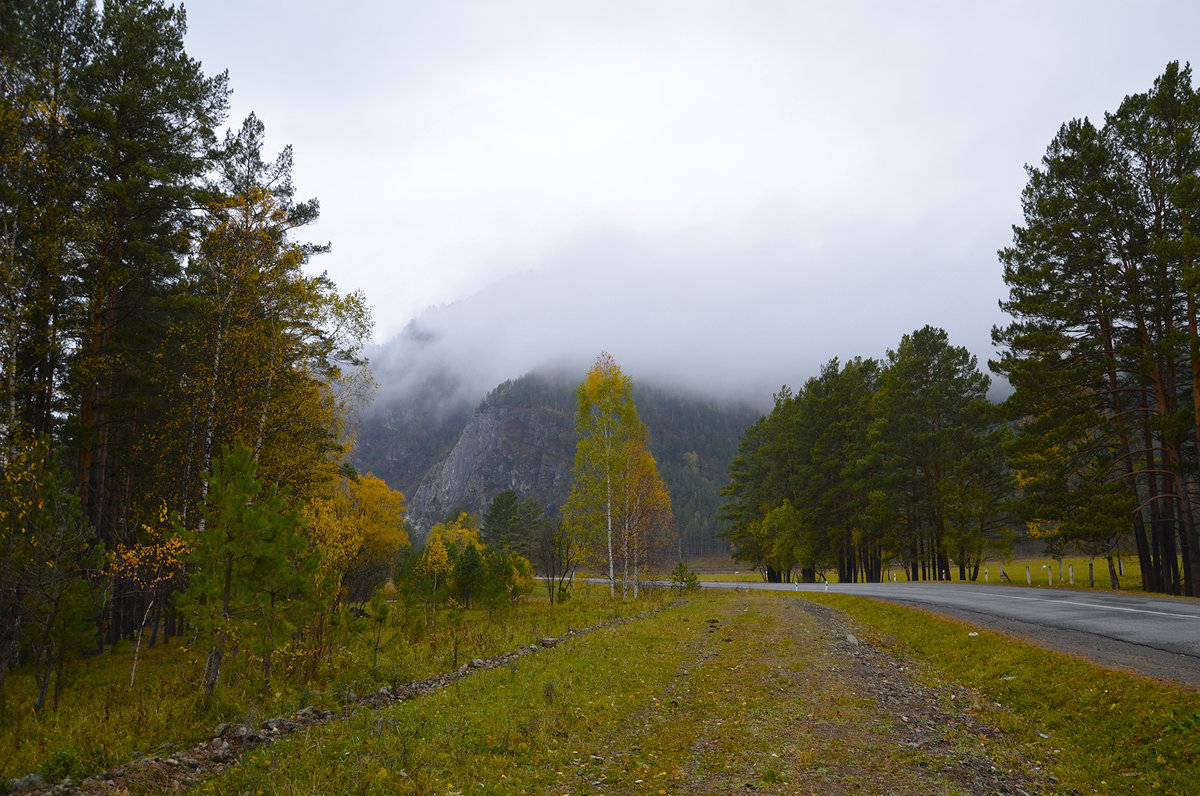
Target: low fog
x: 722, y: 195
x: 731, y: 318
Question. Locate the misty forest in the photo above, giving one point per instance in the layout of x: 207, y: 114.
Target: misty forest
x: 200, y: 481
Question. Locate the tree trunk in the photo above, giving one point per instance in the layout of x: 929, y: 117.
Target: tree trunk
x: 212, y: 665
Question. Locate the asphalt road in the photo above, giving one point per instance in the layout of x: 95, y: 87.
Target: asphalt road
x: 1150, y: 636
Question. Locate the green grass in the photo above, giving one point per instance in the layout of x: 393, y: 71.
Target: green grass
x: 732, y: 692
x: 101, y: 722
x: 724, y: 693
x: 1106, y: 731
x: 737, y: 576
x: 727, y: 692
x: 1040, y: 570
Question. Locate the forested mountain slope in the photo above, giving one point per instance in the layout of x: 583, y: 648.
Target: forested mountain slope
x: 522, y: 437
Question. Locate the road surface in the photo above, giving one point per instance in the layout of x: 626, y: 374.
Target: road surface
x: 1151, y: 636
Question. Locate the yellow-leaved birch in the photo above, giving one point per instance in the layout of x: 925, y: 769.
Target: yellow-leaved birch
x: 607, y: 425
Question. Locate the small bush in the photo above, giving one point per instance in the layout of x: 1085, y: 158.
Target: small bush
x: 683, y: 579
x: 60, y: 765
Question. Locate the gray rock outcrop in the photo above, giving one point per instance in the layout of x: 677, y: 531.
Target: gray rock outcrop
x: 528, y: 450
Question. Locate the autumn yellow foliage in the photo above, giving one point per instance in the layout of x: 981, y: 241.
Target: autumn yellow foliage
x: 460, y: 532
x: 434, y: 562
x: 357, y: 520
x: 157, y: 560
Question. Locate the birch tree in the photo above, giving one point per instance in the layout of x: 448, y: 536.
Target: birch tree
x: 262, y: 351
x: 616, y: 495
x: 644, y: 515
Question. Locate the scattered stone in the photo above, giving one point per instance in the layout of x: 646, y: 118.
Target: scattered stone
x: 280, y: 725
x: 549, y: 642
x: 314, y: 714
x: 27, y: 782
x: 477, y: 663
x: 220, y: 751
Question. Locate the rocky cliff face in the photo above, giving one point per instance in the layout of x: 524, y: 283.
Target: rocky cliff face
x: 443, y: 454
x: 528, y: 450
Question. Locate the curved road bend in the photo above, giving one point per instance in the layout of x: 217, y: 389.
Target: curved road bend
x: 1150, y: 636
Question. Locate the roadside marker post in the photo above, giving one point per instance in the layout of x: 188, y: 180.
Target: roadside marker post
x: 1028, y: 576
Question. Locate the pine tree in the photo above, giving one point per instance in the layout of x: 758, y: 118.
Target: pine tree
x: 468, y: 573
x: 250, y: 571
x: 148, y: 114
x: 1104, y: 347
x: 509, y: 521
x: 928, y: 415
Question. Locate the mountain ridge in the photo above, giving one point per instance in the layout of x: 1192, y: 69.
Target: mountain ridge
x: 521, y: 436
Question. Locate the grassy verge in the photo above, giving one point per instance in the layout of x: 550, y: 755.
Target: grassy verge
x: 1042, y: 572
x: 1056, y: 573
x: 1097, y: 730
x: 102, y: 721
x: 728, y: 692
x: 738, y: 576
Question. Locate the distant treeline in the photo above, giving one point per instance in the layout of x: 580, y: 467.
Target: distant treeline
x: 874, y: 463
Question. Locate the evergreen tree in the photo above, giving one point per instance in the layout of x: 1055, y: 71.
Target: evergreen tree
x: 250, y: 570
x: 148, y: 113
x: 43, y: 182
x: 868, y: 464
x: 509, y: 521
x: 1103, y: 350
x: 928, y: 410
x: 468, y: 573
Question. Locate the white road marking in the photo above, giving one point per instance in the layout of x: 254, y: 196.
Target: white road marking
x: 1098, y: 606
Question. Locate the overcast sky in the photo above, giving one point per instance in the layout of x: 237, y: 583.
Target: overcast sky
x: 721, y: 194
